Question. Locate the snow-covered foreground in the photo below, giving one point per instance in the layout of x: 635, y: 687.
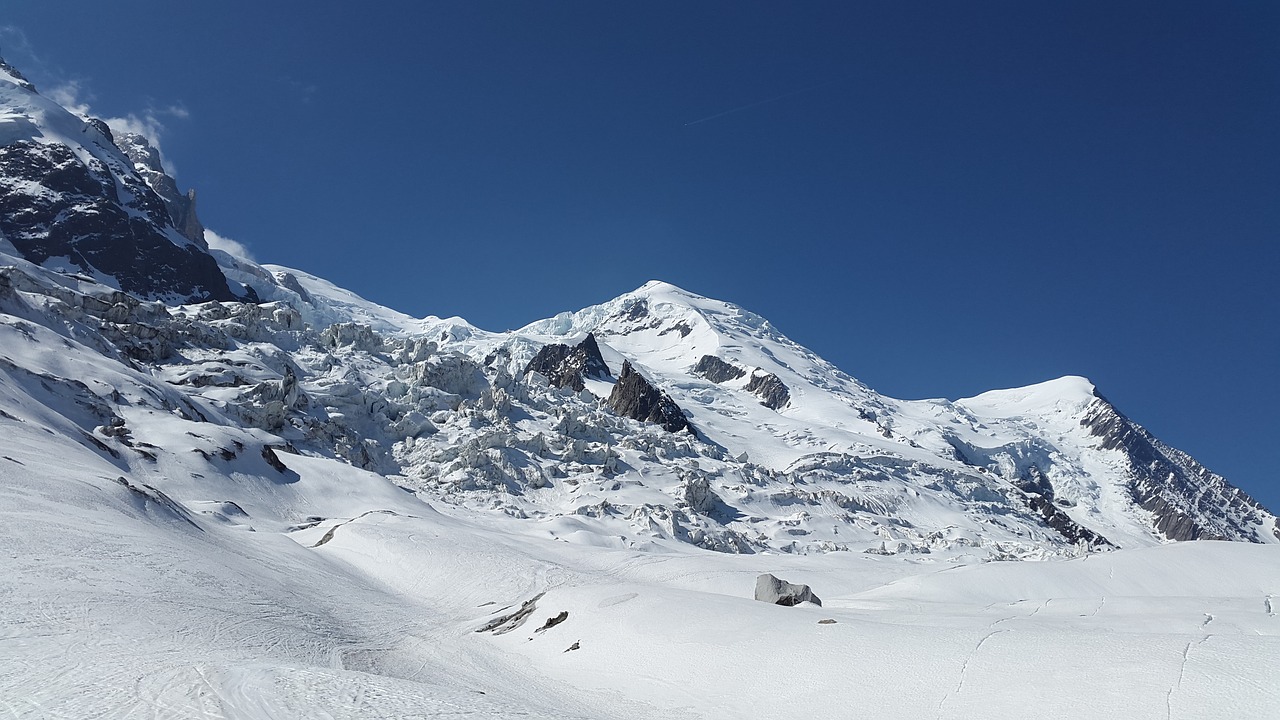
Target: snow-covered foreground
x: 162, y: 599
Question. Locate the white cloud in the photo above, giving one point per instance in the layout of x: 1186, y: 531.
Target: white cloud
x: 14, y: 42
x: 227, y: 245
x: 73, y: 96
x: 70, y: 96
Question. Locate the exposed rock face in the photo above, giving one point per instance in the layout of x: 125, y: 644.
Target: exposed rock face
x: 1189, y: 501
x: 773, y: 394
x: 71, y: 199
x: 567, y: 366
x: 636, y: 398
x: 636, y: 310
x: 716, y: 370
x: 52, y: 205
x: 780, y: 592
x: 181, y: 208
x: 1040, y: 496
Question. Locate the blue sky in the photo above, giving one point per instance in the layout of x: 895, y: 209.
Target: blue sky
x: 941, y: 198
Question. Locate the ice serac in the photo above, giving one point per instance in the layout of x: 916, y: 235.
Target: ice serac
x: 72, y: 200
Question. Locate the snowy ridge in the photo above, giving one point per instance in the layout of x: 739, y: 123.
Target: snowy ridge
x: 73, y: 201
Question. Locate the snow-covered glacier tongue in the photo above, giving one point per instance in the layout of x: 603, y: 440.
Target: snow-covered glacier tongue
x: 236, y: 490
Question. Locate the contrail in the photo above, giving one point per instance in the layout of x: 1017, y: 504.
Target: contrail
x: 762, y: 102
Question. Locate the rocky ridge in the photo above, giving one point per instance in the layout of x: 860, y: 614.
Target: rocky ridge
x: 74, y: 200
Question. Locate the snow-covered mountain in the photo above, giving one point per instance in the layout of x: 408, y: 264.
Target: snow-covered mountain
x: 289, y: 438
x: 75, y: 198
x: 659, y: 414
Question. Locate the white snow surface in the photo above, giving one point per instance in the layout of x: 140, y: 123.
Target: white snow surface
x: 332, y: 593
x: 186, y: 537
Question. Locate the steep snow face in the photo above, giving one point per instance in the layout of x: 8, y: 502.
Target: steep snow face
x: 1107, y: 471
x: 72, y: 201
x: 667, y: 331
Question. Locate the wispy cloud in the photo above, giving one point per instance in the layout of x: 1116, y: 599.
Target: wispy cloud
x: 150, y: 123
x: 14, y: 45
x: 227, y: 245
x: 74, y: 95
x: 304, y: 92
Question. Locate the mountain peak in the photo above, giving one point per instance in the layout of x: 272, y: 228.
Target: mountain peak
x: 11, y: 73
x: 73, y: 201
x: 1069, y: 393
x: 661, y: 287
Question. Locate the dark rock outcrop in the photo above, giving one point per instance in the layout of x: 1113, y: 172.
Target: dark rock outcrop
x: 181, y: 208
x: 86, y: 205
x: 716, y: 370
x: 636, y: 398
x: 52, y: 205
x: 1187, y: 500
x: 568, y: 366
x: 773, y: 393
x: 635, y: 310
x: 23, y: 82
x: 780, y: 592
x: 1038, y: 494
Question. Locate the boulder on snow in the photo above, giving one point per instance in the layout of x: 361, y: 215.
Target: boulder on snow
x: 780, y: 592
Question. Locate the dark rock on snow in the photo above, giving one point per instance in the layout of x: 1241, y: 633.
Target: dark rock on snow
x: 773, y: 393
x: 567, y: 366
x: 1189, y: 501
x: 636, y: 398
x: 780, y: 592
x: 107, y: 208
x: 716, y: 370
x: 1039, y: 495
x: 146, y: 162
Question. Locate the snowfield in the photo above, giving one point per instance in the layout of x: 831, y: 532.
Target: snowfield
x: 176, y: 599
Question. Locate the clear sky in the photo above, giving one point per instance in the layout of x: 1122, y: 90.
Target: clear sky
x: 939, y: 197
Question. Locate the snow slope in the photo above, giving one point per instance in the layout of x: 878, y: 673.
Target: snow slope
x: 115, y: 606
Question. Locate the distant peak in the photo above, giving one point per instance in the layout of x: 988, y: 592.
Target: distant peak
x: 1067, y: 385
x: 15, y: 76
x: 1067, y: 392
x: 658, y: 287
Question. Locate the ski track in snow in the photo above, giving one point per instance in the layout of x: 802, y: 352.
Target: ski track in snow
x: 964, y: 669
